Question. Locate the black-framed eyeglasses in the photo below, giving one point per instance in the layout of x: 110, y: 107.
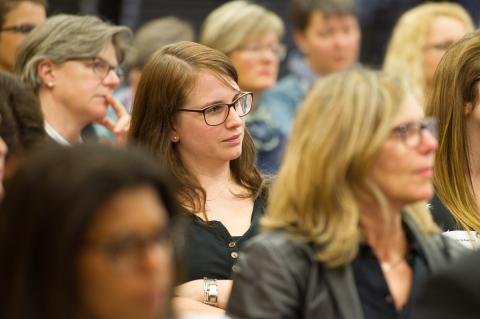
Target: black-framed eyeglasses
x: 128, y: 251
x: 20, y: 28
x: 412, y: 133
x: 101, y: 67
x: 216, y: 114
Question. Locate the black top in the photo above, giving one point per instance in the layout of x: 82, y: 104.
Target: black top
x: 372, y: 288
x: 442, y: 216
x: 211, y: 251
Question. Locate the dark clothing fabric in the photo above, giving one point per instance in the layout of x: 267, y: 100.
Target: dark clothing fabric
x: 210, y: 249
x: 373, y: 292
x: 442, y: 216
x: 279, y: 277
x: 453, y: 293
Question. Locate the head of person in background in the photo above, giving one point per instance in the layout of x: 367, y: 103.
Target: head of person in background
x: 455, y: 100
x: 189, y: 93
x: 421, y: 37
x: 251, y: 37
x: 71, y: 63
x: 17, y: 18
x: 91, y: 241
x: 327, y: 33
x: 348, y: 203
x: 21, y: 123
x: 150, y: 37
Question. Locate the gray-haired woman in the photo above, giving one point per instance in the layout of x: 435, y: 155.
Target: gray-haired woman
x: 68, y: 62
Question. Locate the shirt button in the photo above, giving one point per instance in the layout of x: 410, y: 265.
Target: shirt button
x: 232, y: 244
x: 234, y: 255
x: 389, y: 299
x: 235, y: 268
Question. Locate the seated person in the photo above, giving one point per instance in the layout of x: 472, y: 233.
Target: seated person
x: 250, y: 35
x: 91, y: 240
x: 189, y: 113
x: 71, y: 63
x: 347, y: 231
x: 327, y: 33
x: 17, y: 18
x: 419, y: 40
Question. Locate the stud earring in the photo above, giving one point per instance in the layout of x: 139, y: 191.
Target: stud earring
x: 175, y: 138
x: 50, y: 84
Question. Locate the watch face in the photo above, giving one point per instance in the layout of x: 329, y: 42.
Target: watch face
x: 213, y: 289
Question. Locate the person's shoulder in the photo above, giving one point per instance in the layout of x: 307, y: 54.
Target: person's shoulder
x: 281, y: 244
x: 467, y: 266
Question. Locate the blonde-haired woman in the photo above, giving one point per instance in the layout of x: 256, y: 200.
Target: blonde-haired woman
x: 250, y: 35
x: 455, y: 102
x: 348, y: 231
x: 420, y: 39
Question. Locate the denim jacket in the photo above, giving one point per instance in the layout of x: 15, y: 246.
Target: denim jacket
x: 283, y: 99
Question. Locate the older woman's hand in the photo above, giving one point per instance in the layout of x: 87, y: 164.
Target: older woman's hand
x: 120, y: 127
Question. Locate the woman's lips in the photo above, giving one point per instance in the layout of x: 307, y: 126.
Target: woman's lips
x: 426, y: 172
x: 233, y: 139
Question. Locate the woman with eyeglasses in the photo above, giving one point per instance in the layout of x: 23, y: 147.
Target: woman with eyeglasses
x: 347, y: 232
x: 17, y: 19
x: 93, y: 245
x: 71, y: 63
x: 455, y: 101
x: 421, y: 37
x: 250, y: 35
x: 189, y: 112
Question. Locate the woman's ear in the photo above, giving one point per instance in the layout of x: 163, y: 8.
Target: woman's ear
x: 468, y: 108
x: 46, y: 74
x: 174, y: 135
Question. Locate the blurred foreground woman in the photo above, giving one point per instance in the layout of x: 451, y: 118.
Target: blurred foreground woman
x: 91, y: 240
x: 348, y: 230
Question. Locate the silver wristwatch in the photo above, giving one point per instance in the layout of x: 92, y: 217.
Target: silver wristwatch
x: 210, y: 291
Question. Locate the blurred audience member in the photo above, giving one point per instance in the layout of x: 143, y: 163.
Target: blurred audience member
x: 71, y: 63
x: 420, y: 39
x: 91, y: 241
x: 250, y: 35
x: 327, y: 33
x: 17, y: 18
x: 149, y: 38
x: 378, y: 17
x: 188, y: 111
x: 455, y: 101
x: 21, y: 123
x: 348, y: 234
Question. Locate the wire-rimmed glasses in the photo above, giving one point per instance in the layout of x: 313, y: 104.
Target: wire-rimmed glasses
x: 412, y: 133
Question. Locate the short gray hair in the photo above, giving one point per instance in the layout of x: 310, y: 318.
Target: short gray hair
x: 226, y: 27
x: 63, y: 37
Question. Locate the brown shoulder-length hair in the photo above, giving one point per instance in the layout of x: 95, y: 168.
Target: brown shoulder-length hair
x: 454, y: 85
x: 167, y: 79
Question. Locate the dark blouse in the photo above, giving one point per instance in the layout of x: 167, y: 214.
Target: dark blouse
x: 210, y: 249
x: 372, y: 288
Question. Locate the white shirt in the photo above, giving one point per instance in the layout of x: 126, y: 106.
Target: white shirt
x: 56, y: 136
